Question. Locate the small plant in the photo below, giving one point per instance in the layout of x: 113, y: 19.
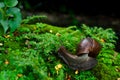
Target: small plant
x: 10, y: 16
x: 34, y: 19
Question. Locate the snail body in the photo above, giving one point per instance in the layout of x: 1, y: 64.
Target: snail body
x: 83, y: 62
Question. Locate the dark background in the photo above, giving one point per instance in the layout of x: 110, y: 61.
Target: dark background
x: 108, y: 8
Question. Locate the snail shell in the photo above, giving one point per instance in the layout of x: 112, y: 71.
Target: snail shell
x: 90, y: 46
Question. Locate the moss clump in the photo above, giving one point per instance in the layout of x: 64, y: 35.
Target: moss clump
x: 105, y: 72
x: 12, y: 45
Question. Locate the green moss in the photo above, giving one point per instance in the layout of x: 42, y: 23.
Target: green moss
x: 33, y: 52
x: 26, y: 28
x: 85, y: 75
x: 34, y: 19
x: 43, y: 28
x: 12, y: 44
x: 105, y: 72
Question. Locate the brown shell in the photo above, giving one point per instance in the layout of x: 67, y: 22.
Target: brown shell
x: 90, y: 46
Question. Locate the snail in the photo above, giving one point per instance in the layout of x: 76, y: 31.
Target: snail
x: 86, y: 53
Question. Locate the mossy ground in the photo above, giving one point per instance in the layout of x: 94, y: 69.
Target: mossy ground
x: 30, y: 53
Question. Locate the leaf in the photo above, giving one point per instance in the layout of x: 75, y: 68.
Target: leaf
x: 1, y: 30
x: 11, y: 3
x: 15, y: 18
x: 3, y: 26
x: 2, y: 5
x: 0, y: 15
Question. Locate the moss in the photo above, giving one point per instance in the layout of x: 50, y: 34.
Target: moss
x: 43, y: 28
x: 12, y: 44
x: 105, y: 72
x: 85, y: 75
x: 26, y: 28
x: 36, y: 46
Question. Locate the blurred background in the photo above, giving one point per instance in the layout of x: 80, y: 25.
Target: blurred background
x: 76, y: 12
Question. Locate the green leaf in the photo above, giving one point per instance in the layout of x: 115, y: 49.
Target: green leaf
x: 1, y: 30
x: 0, y: 15
x: 11, y: 3
x: 2, y: 5
x: 15, y: 18
x: 3, y: 26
